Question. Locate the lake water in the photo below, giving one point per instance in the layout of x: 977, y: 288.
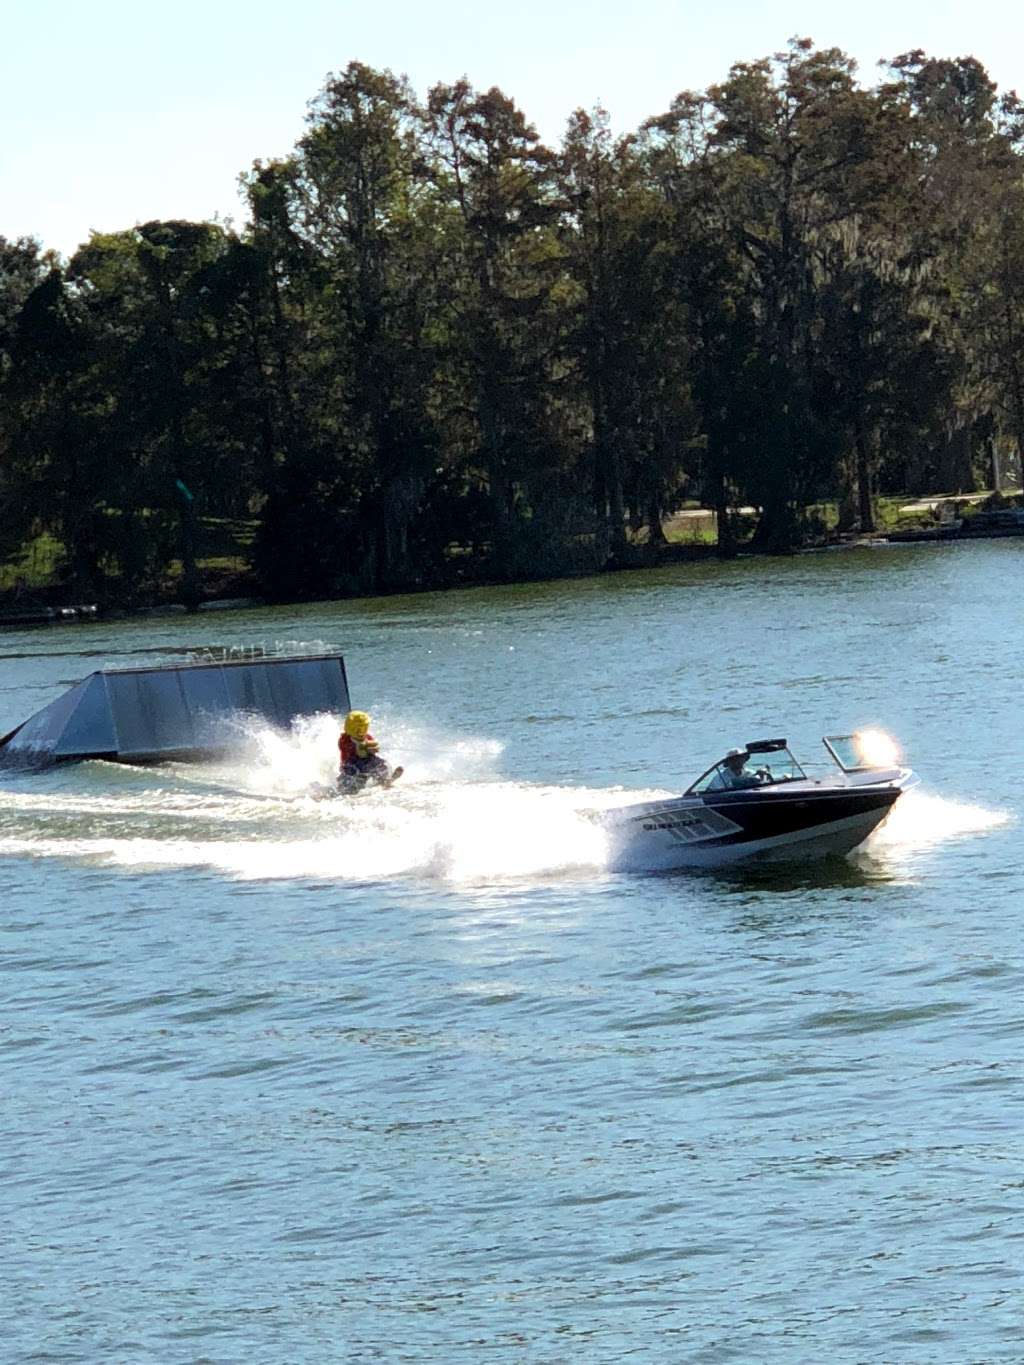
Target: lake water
x: 414, y: 1078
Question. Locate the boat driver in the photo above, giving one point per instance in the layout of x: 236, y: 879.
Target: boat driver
x: 731, y: 775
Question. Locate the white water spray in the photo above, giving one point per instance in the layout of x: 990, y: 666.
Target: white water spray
x: 252, y: 817
x: 453, y: 818
x: 921, y: 820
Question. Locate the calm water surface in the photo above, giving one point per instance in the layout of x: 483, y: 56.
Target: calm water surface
x: 413, y: 1078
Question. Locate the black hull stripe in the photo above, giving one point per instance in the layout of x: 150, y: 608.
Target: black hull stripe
x: 761, y: 819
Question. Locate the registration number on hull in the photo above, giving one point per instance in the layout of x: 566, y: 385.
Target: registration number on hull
x: 687, y: 826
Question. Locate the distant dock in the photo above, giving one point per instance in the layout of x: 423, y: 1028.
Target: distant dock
x: 43, y: 616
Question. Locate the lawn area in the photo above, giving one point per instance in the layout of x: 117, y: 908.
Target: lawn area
x: 695, y: 525
x: 223, y: 554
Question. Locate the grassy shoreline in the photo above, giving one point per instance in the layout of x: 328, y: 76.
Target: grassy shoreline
x: 30, y: 583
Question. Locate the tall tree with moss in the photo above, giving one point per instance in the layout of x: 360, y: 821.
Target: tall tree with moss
x: 964, y: 165
x: 709, y: 275
x: 631, y: 328
x: 158, y: 301
x: 353, y: 206
x: 503, y: 352
x: 23, y: 267
x: 54, y: 474
x: 779, y: 147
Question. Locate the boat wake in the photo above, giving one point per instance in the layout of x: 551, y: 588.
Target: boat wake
x: 452, y: 819
x: 920, y: 820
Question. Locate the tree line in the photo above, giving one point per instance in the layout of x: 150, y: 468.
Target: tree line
x: 442, y: 350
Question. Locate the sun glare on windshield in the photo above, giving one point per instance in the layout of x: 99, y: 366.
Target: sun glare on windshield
x: 877, y: 749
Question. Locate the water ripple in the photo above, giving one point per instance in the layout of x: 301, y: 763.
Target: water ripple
x: 417, y: 1079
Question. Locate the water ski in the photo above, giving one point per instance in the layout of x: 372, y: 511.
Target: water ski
x: 351, y: 784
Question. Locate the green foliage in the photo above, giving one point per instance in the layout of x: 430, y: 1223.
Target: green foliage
x: 441, y: 350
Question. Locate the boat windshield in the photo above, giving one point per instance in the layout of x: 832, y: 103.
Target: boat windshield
x: 864, y: 751
x: 755, y: 770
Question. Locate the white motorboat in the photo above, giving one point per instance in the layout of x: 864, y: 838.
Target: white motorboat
x: 758, y: 804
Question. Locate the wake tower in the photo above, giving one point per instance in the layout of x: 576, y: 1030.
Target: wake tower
x: 177, y: 711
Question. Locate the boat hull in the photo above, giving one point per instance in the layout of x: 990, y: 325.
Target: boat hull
x: 739, y: 827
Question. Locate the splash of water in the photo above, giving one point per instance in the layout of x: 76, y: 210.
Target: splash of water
x: 921, y: 820
x: 252, y: 816
x: 270, y: 763
x: 453, y: 818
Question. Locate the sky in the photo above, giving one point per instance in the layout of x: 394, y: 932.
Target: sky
x: 115, y: 113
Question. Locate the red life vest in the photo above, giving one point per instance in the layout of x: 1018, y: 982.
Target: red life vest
x: 351, y: 749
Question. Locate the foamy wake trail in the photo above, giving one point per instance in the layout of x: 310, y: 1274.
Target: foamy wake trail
x: 458, y: 834
x: 452, y: 818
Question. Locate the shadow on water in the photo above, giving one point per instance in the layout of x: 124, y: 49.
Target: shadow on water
x: 784, y: 900
x: 824, y: 874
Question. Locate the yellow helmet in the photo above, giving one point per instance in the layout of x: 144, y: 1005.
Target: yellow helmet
x: 357, y: 724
